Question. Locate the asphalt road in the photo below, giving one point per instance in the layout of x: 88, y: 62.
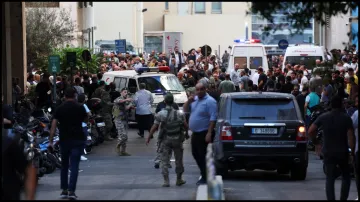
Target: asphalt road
x: 106, y: 176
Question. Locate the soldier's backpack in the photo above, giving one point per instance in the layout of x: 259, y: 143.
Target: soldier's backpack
x: 173, y: 127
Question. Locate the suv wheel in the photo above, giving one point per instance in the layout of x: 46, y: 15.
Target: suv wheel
x: 221, y: 169
x: 298, y: 172
x: 283, y: 171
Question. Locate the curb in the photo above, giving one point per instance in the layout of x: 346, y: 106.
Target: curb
x: 202, y: 190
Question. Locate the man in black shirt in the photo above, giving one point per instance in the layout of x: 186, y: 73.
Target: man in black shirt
x: 301, y: 100
x: 262, y: 79
x: 338, y: 135
x: 43, y: 91
x: 14, y: 164
x: 162, y: 105
x: 86, y: 84
x: 288, y: 86
x: 70, y: 115
x: 93, y: 86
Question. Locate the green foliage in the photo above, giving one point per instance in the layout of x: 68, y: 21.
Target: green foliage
x: 46, y: 29
x: 93, y: 64
x: 299, y: 14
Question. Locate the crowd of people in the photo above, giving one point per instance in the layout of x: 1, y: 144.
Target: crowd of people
x: 205, y: 79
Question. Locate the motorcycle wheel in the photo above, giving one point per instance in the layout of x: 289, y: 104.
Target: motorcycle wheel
x: 88, y: 149
x: 54, y: 160
x: 49, y: 165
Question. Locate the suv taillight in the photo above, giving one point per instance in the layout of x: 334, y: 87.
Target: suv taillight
x: 301, y: 134
x: 226, y: 133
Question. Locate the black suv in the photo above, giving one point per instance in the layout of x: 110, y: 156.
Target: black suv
x: 260, y: 130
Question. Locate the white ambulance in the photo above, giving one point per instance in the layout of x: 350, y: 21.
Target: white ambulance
x: 304, y: 54
x: 250, y: 54
x: 157, y: 81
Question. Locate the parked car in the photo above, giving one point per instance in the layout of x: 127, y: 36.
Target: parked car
x: 260, y: 130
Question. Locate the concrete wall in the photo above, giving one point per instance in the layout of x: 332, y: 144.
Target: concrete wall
x: 338, y: 31
x: 110, y: 18
x: 213, y: 30
x: 72, y: 7
x: 13, y: 55
x: 154, y: 16
x: 199, y: 29
x: 333, y: 36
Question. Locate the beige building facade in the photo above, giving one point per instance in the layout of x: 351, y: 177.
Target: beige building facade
x: 216, y: 24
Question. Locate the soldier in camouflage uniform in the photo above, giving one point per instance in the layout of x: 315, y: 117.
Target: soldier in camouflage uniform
x: 172, y: 136
x: 106, y: 108
x: 121, y: 108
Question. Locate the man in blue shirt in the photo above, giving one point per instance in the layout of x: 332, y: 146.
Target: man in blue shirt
x: 143, y: 100
x: 311, y: 100
x: 203, y: 116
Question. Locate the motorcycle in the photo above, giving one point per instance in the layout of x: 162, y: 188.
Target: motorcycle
x: 96, y: 122
x: 88, y: 143
x: 97, y: 129
x: 49, y: 160
x: 29, y: 147
x: 316, y: 111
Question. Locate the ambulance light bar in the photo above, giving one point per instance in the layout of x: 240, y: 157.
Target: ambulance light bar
x: 247, y: 41
x: 154, y: 69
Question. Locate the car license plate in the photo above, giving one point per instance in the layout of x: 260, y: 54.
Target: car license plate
x: 102, y: 124
x: 264, y: 131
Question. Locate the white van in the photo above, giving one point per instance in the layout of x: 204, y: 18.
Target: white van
x: 305, y: 54
x: 251, y: 54
x: 157, y: 82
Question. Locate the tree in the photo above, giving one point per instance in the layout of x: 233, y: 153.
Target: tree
x: 299, y: 14
x: 46, y: 29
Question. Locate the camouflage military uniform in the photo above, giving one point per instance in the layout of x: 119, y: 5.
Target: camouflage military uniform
x: 120, y: 115
x: 168, y: 144
x: 106, y: 109
x: 157, y: 159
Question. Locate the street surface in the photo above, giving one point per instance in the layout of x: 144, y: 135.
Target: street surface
x: 106, y: 176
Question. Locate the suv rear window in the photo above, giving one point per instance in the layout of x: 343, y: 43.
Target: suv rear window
x: 263, y: 109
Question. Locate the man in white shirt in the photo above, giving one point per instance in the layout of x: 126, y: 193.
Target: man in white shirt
x: 235, y: 76
x: 137, y: 64
x: 304, y: 79
x: 346, y: 64
x: 255, y: 77
x: 354, y: 64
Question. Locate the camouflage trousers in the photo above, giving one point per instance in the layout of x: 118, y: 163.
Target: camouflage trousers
x: 122, y: 131
x: 157, y: 159
x: 169, y: 145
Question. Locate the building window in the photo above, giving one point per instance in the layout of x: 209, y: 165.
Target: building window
x: 85, y: 4
x: 91, y: 3
x: 199, y: 7
x: 166, y: 5
x: 81, y: 4
x: 216, y: 7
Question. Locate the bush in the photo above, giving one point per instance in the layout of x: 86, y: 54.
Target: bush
x: 93, y: 64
